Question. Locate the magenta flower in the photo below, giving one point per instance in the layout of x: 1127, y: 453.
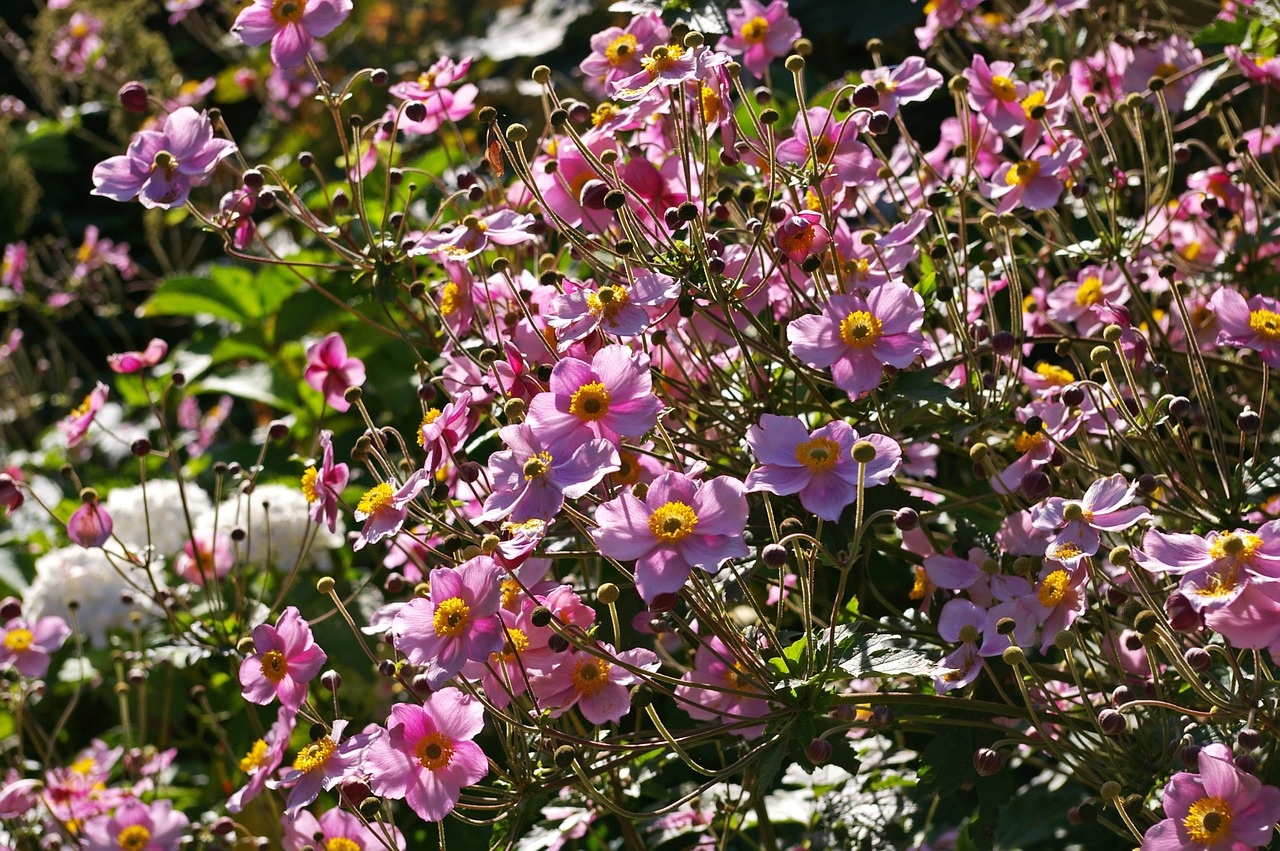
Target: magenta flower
x: 331, y: 372
x: 1035, y: 183
x: 611, y: 397
x: 90, y: 525
x: 10, y: 494
x: 802, y: 236
x: 442, y: 431
x: 909, y: 82
x: 473, y: 235
x: 1078, y: 300
x: 76, y: 425
x: 817, y: 465
x: 760, y: 33
x: 135, y: 825
x: 1252, y: 324
x: 384, y: 508
x: 263, y: 758
x: 617, y: 308
x: 306, y: 831
x: 322, y: 764
x: 426, y: 756
x: 994, y: 92
x: 713, y: 689
x: 857, y: 336
x: 431, y: 89
x: 681, y: 524
x: 960, y: 621
x: 457, y: 623
x: 535, y: 475
x: 834, y: 150
x: 323, y: 486
x: 284, y: 660
x: 27, y: 647
x: 596, y: 684
x: 161, y: 166
x: 1075, y: 524
x: 130, y: 362
x: 1216, y: 568
x: 208, y: 556
x: 616, y: 52
x: 290, y: 25
x: 1220, y: 809
x: 1043, y: 425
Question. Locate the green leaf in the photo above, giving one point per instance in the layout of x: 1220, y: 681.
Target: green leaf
x: 254, y: 383
x: 919, y: 386
x: 191, y: 295
x: 866, y: 655
x: 928, y: 279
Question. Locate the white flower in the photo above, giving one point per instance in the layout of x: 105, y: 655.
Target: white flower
x: 88, y: 578
x: 276, y: 523
x: 167, y: 521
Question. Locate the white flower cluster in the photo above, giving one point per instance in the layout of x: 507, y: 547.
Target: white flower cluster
x: 277, y: 524
x: 102, y: 593
x: 159, y: 519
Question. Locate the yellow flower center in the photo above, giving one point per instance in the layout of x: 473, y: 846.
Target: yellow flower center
x: 517, y: 643
x: 1209, y: 820
x: 1053, y: 588
x: 1074, y: 512
x: 18, y: 640
x: 83, y: 408
x: 537, y: 466
x: 1089, y: 293
x: 662, y: 58
x: 84, y: 766
x: 628, y: 468
x: 1003, y: 88
x: 309, y: 477
x: 755, y: 30
x: 858, y: 270
x: 920, y: 583
x: 1055, y: 375
x: 1066, y: 551
x: 427, y: 79
x: 590, y: 402
x: 452, y: 617
x: 620, y: 49
x: 315, y: 755
x: 341, y: 843
x: 1027, y: 441
x: 672, y: 522
x: 1266, y: 323
x: 886, y: 86
x: 798, y: 241
x: 135, y: 837
x: 253, y: 760
x: 435, y: 751
x: 1023, y: 173
x: 510, y: 594
x: 1031, y: 101
x: 603, y: 113
x: 274, y: 665
x: 860, y: 329
x: 710, y: 101
x: 450, y: 299
x: 607, y: 301
x: 1240, y: 547
x: 287, y: 11
x: 590, y: 675
x: 819, y: 454
x: 428, y: 418
x: 1220, y: 582
x: 375, y: 499
x: 1166, y: 70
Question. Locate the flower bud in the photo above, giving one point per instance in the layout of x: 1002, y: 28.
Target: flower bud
x: 987, y: 762
x: 864, y: 452
x: 1197, y: 658
x: 906, y: 519
x: 1013, y: 655
x: 608, y: 593
x: 819, y: 751
x: 1249, y: 738
x: 878, y: 123
x: 1182, y: 617
x: 90, y: 526
x: 564, y: 756
x: 866, y: 96
x: 133, y: 96
x: 1112, y: 722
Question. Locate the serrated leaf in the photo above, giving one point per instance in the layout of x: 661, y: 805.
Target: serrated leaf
x: 879, y: 654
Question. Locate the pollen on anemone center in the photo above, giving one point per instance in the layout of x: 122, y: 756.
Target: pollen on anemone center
x: 673, y: 522
x: 590, y: 402
x: 452, y: 617
x: 860, y: 329
x: 818, y: 454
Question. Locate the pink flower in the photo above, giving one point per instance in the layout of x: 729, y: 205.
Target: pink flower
x: 284, y: 660
x: 1075, y: 524
x: 323, y: 486
x: 76, y: 425
x: 830, y: 146
x: 1220, y: 809
x: 431, y: 89
x: 473, y: 235
x: 26, y: 647
x: 443, y: 430
x: 596, y: 684
x: 90, y: 526
x: 322, y: 764
x: 909, y: 82
x: 857, y: 336
x: 384, y: 508
x: 130, y: 362
x: 713, y: 687
x: 760, y: 33
x: 802, y: 236
x: 681, y: 524
x: 1035, y: 183
x: 611, y: 397
x: 995, y: 93
x: 817, y: 465
x: 306, y: 831
x: 263, y: 759
x: 617, y: 308
x: 10, y: 494
x: 1252, y: 324
x: 331, y: 372
x: 536, y: 473
x: 161, y: 166
x: 290, y: 26
x: 205, y: 557
x: 1075, y: 300
x: 457, y: 623
x: 13, y: 266
x: 616, y: 52
x: 426, y: 756
x: 146, y: 827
